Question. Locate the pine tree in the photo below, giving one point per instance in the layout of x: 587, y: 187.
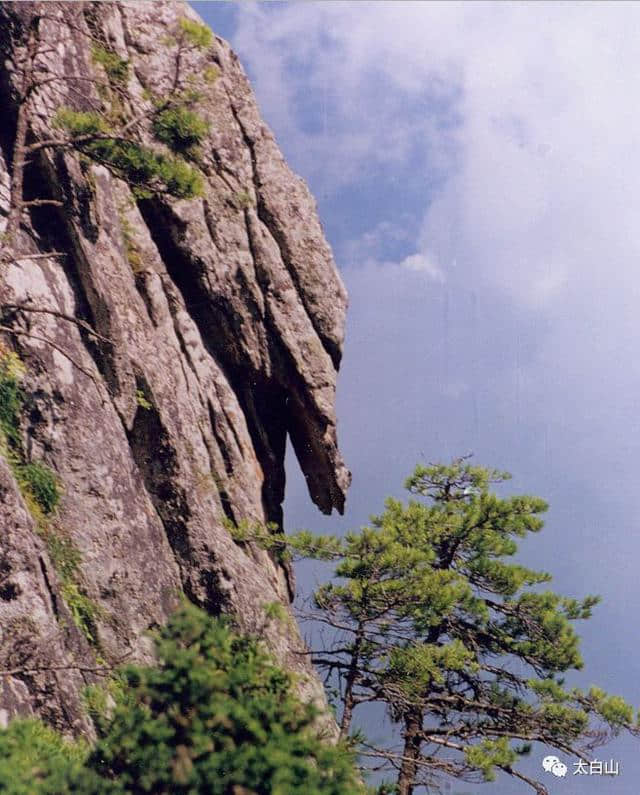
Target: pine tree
x: 152, y: 146
x: 466, y: 648
x: 111, y: 131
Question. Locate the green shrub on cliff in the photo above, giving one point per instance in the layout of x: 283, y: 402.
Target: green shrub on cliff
x: 36, y: 760
x: 144, y: 169
x: 217, y: 713
x: 117, y: 68
x: 180, y: 128
x: 38, y: 483
x: 216, y: 716
x: 11, y: 396
x: 42, y: 483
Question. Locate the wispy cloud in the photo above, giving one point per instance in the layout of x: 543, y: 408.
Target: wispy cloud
x: 423, y: 264
x: 516, y: 118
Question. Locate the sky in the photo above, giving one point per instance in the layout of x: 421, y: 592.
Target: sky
x: 476, y: 171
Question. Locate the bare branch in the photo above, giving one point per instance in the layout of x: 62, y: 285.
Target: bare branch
x: 43, y: 203
x: 101, y: 670
x: 18, y: 257
x: 55, y: 313
x: 55, y: 346
x: 535, y: 785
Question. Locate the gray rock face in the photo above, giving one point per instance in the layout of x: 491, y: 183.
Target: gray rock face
x: 224, y: 317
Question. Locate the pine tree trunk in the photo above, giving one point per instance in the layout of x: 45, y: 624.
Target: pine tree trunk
x: 350, y: 680
x: 411, y: 753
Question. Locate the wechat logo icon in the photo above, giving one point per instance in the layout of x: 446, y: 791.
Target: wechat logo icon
x: 553, y: 765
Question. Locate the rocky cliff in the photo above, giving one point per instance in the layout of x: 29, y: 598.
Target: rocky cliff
x: 167, y: 349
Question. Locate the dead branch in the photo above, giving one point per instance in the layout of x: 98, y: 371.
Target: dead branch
x: 56, y: 347
x: 101, y: 670
x: 55, y: 313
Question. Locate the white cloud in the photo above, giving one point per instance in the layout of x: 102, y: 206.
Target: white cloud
x: 423, y: 264
x: 523, y: 111
x: 367, y: 246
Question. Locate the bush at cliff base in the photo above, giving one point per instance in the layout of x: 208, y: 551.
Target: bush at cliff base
x: 36, y: 760
x: 216, y: 716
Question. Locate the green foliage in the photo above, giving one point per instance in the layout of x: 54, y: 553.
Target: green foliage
x: 438, y: 623
x: 84, y: 612
x: 211, y: 74
x: 133, y: 257
x: 182, y: 181
x: 42, y: 484
x: 216, y: 716
x: 35, y: 760
x: 142, y: 401
x: 66, y: 559
x: 453, y: 481
x: 489, y: 754
x: 40, y: 491
x: 131, y: 249
x: 80, y: 122
x: 11, y: 395
x: 146, y: 171
x: 306, y: 544
x: 106, y: 138
x: 275, y: 611
x: 268, y: 537
x: 100, y: 700
x: 244, y: 200
x: 180, y: 128
x: 195, y: 33
x: 117, y: 68
x: 302, y: 544
x: 416, y: 668
x: 64, y: 555
x: 613, y: 709
x: 96, y: 701
x: 37, y: 482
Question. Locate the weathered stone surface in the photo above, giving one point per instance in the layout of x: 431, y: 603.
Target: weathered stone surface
x: 225, y: 317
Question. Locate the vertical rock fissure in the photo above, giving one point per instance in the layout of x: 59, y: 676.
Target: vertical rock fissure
x: 225, y: 500
x: 304, y: 422
x: 56, y: 232
x: 267, y: 218
x: 52, y: 594
x: 262, y: 402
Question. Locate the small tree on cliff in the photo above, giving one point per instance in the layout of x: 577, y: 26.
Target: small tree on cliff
x: 463, y: 647
x: 152, y: 148
x: 110, y: 130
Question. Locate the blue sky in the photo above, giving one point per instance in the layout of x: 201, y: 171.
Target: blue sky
x: 476, y: 171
